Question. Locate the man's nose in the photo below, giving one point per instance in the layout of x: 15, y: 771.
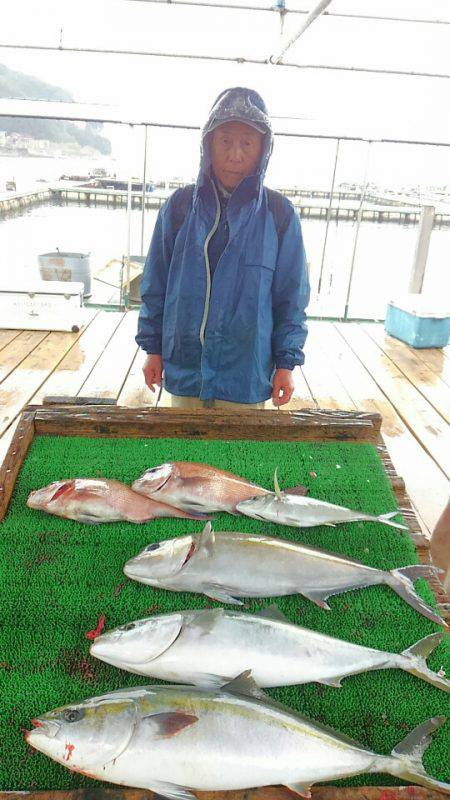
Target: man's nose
x: 236, y: 153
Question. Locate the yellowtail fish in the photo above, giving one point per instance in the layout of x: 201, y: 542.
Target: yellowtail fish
x: 227, y: 566
x: 176, y: 740
x: 196, y: 646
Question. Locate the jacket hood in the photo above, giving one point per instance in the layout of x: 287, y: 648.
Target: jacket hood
x: 241, y: 105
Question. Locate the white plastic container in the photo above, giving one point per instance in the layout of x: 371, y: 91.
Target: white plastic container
x: 61, y: 266
x: 419, y: 320
x: 42, y: 306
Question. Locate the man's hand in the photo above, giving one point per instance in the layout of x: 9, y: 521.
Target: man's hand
x: 152, y: 370
x: 282, y: 387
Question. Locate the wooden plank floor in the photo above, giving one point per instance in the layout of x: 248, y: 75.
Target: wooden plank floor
x: 348, y: 366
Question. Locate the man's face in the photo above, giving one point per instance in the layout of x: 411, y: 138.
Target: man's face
x: 235, y: 152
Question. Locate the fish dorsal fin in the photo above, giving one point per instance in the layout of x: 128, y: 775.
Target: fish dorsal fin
x: 245, y: 686
x: 276, y: 485
x: 206, y: 540
x: 272, y: 612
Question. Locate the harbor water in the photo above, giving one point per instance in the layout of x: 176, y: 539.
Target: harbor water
x: 377, y: 271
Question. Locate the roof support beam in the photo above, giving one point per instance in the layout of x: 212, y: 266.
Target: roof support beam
x: 235, y: 60
x: 314, y: 14
x: 341, y: 15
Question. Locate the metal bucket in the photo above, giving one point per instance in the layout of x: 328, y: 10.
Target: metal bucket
x: 66, y: 267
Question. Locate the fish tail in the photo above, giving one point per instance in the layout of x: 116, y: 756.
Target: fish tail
x: 386, y: 519
x: 401, y: 581
x: 405, y: 760
x: 414, y: 662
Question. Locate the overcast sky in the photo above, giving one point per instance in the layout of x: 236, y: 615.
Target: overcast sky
x: 172, y: 90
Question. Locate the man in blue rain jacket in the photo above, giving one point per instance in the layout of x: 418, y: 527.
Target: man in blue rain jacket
x: 225, y: 284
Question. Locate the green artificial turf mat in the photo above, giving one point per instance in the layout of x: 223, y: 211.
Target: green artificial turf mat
x: 58, y: 576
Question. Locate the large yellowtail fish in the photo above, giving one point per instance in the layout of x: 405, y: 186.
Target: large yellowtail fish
x: 195, y: 646
x: 100, y: 500
x: 177, y: 740
x: 227, y: 566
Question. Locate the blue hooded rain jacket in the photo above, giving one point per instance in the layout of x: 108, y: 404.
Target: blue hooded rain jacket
x: 222, y: 335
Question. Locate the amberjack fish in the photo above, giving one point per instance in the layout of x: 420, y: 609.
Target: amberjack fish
x: 177, y: 740
x: 194, y: 646
x: 228, y: 565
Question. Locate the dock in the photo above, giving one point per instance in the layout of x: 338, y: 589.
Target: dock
x: 349, y: 366
x: 314, y: 205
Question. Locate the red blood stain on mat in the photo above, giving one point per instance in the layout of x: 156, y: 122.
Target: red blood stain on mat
x: 69, y: 748
x: 151, y: 609
x: 97, y: 631
x: 389, y: 794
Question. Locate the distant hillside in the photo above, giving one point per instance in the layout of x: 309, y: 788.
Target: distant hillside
x: 18, y: 86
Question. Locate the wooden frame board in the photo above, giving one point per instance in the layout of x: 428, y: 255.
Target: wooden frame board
x: 303, y: 425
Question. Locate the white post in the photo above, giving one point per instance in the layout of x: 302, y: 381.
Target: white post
x: 144, y: 181
x: 129, y: 190
x: 422, y: 246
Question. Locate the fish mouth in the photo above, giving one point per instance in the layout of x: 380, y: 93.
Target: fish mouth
x: 43, y: 727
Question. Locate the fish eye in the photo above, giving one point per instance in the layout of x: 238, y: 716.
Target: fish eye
x: 152, y: 547
x: 73, y: 714
x: 128, y: 627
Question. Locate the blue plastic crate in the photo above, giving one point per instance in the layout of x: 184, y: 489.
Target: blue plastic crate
x: 413, y: 321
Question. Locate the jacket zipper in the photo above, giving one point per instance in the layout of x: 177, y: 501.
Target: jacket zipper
x: 208, y: 268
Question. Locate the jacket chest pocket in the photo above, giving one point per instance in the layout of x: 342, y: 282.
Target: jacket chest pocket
x: 261, y: 248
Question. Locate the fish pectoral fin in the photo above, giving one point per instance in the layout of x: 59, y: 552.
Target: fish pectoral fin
x: 218, y: 592
x: 336, y: 682
x: 302, y: 789
x: 169, y: 723
x: 171, y: 790
x: 327, y: 524
x: 206, y: 680
x: 272, y: 612
x: 298, y: 491
x: 317, y: 598
x: 205, y: 620
x: 88, y: 520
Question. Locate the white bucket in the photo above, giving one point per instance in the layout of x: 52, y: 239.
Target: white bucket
x: 66, y: 267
